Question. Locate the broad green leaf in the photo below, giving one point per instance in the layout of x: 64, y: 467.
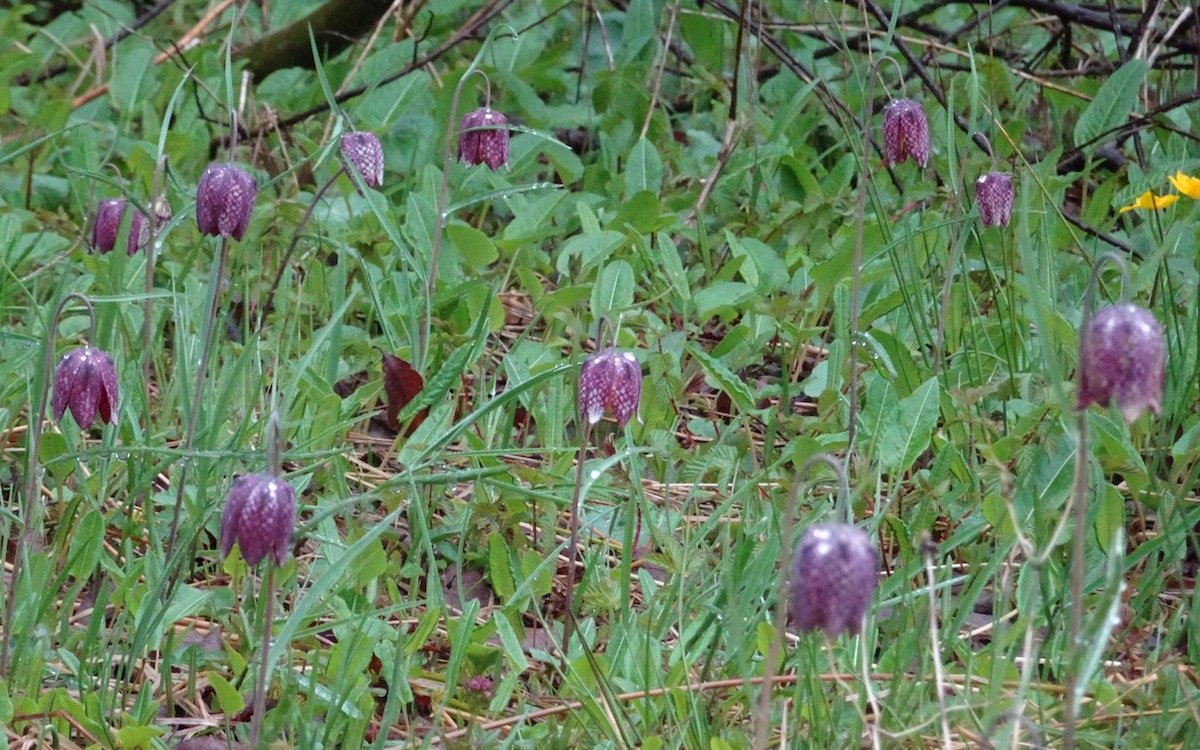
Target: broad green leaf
x: 229, y: 700
x: 499, y: 571
x: 1113, y: 103
x: 907, y: 431
x: 643, y: 169
x: 613, y: 290
x: 725, y: 379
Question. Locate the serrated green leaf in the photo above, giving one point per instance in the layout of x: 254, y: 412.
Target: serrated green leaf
x: 726, y: 380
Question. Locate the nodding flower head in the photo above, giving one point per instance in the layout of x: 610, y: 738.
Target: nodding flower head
x: 86, y: 384
x: 905, y: 133
x: 484, y: 146
x: 833, y: 579
x: 610, y: 380
x: 107, y: 226
x: 260, y: 515
x: 224, y: 201
x: 1122, y: 358
x: 994, y: 194
x: 362, y: 150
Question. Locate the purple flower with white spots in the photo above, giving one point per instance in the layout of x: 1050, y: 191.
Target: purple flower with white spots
x: 484, y: 146
x: 107, y: 226
x: 86, y: 384
x: 905, y: 133
x: 833, y: 578
x: 610, y: 380
x: 260, y: 515
x: 362, y: 150
x: 994, y: 194
x: 224, y: 201
x: 1122, y: 358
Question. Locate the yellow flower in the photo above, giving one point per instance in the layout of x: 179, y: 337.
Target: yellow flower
x: 1149, y: 200
x: 1186, y: 184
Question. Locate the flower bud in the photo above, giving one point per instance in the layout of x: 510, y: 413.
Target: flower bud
x: 224, y: 201
x: 484, y: 146
x: 1122, y: 357
x: 260, y: 515
x: 833, y: 578
x: 86, y: 383
x: 905, y: 133
x: 994, y: 194
x: 610, y: 380
x: 362, y: 151
x: 107, y: 226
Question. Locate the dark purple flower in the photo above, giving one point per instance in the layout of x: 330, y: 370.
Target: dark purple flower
x: 905, y: 133
x: 260, y: 515
x: 107, y: 226
x: 224, y: 201
x: 994, y: 194
x: 833, y: 578
x: 1122, y: 357
x: 611, y: 380
x: 86, y: 383
x: 363, y: 150
x: 484, y: 146
x: 479, y: 684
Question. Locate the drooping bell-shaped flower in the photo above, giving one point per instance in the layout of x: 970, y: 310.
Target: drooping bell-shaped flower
x: 484, y: 146
x: 994, y: 194
x: 610, y: 380
x: 107, y: 226
x: 260, y: 516
x: 905, y: 133
x: 361, y: 150
x: 833, y: 578
x: 224, y: 201
x: 1122, y: 358
x: 86, y: 384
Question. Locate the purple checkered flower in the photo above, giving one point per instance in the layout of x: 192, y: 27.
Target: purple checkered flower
x: 86, y: 384
x: 610, y: 380
x: 905, y: 133
x: 362, y: 150
x: 224, y: 201
x: 107, y: 226
x: 994, y: 194
x: 484, y: 146
x: 1122, y: 358
x: 260, y: 515
x: 833, y: 579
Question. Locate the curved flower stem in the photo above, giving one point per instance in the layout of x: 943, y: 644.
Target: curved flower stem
x: 762, y: 717
x: 189, y: 437
x: 260, y: 692
x: 1079, y: 495
x: 265, y: 308
x: 31, y: 514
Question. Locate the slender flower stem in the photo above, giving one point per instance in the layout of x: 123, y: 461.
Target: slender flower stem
x: 573, y: 543
x: 189, y: 437
x: 930, y: 549
x: 265, y: 309
x: 1079, y: 494
x: 260, y: 693
x: 762, y: 717
x: 31, y: 514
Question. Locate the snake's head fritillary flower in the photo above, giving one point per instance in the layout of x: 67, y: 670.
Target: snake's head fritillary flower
x: 224, y: 201
x: 994, y: 193
x: 86, y: 384
x: 833, y: 579
x: 107, y: 226
x: 361, y: 150
x: 905, y: 133
x: 1122, y: 358
x: 610, y: 380
x: 484, y: 138
x: 260, y: 516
